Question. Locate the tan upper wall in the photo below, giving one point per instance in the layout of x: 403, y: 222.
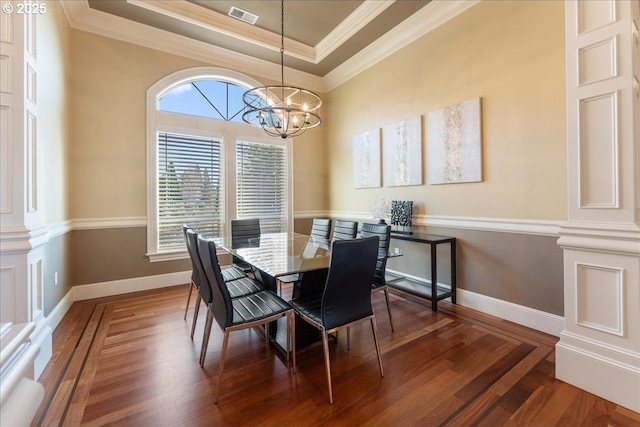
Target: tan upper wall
x: 511, y: 54
x: 108, y: 95
x: 109, y: 81
x: 53, y: 34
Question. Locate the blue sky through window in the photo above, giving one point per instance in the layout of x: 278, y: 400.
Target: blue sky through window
x: 196, y: 99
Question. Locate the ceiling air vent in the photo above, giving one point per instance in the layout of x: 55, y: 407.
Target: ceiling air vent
x: 243, y: 15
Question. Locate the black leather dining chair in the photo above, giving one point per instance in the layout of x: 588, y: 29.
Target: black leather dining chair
x: 195, y: 277
x: 320, y: 229
x: 243, y: 231
x: 383, y: 231
x: 346, y: 298
x: 233, y: 314
x: 237, y: 285
x: 344, y: 230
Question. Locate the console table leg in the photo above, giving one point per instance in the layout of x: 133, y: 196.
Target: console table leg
x: 454, y: 272
x: 434, y: 278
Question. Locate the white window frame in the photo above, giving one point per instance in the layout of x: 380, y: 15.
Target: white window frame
x: 229, y: 132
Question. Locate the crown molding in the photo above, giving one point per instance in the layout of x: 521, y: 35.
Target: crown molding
x: 427, y: 19
x: 434, y: 14
x: 359, y: 18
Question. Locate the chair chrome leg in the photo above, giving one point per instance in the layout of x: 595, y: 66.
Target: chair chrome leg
x: 386, y: 297
x: 348, y: 338
x: 223, y: 355
x: 205, y: 337
x: 292, y: 331
x: 196, y: 310
x: 375, y: 339
x: 325, y: 344
x: 186, y: 309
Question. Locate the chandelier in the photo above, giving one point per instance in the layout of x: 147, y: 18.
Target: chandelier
x: 284, y: 111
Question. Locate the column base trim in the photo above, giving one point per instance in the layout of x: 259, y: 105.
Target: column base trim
x: 596, y: 374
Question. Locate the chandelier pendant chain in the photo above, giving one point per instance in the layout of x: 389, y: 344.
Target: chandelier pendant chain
x: 282, y: 47
x: 282, y: 42
x: 280, y: 110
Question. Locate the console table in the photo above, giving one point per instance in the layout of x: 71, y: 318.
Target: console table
x: 433, y: 293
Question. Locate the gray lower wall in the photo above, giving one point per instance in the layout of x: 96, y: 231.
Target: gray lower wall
x: 56, y: 256
x: 104, y: 255
x: 523, y: 269
x: 519, y: 268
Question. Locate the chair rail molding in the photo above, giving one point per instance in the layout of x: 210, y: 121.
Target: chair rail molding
x: 599, y: 348
x: 502, y: 225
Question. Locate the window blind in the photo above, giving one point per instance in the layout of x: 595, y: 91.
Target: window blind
x: 261, y: 179
x: 190, y: 188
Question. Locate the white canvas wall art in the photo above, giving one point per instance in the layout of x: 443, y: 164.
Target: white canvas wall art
x: 366, y: 159
x: 402, y: 143
x: 454, y: 144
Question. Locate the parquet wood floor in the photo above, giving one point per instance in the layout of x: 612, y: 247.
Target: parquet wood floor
x: 128, y: 360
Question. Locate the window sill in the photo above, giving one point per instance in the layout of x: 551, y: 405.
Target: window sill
x: 174, y: 256
x: 167, y: 256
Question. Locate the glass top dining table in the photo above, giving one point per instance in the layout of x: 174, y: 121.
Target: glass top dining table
x: 281, y: 254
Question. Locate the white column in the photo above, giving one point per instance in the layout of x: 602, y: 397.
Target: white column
x: 22, y: 234
x: 599, y: 349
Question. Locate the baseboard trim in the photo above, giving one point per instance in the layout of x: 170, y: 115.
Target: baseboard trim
x: 596, y: 373
x: 136, y: 284
x: 536, y: 319
x: 542, y: 321
x: 58, y: 312
x: 96, y: 290
x: 42, y: 338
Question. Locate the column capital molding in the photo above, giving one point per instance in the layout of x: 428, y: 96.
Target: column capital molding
x: 21, y: 239
x: 602, y: 237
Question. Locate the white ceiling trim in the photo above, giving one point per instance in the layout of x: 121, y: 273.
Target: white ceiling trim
x: 427, y: 19
x: 211, y: 20
x: 82, y: 17
x: 205, y: 18
x: 353, y: 23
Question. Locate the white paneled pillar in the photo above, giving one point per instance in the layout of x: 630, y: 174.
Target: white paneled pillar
x: 22, y: 234
x: 599, y: 349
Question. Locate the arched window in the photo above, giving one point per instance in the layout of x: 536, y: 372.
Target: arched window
x: 215, y: 99
x: 205, y: 165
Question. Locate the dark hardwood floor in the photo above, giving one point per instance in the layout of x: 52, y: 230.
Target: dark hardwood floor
x: 128, y: 360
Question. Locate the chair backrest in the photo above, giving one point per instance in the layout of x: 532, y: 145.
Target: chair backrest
x: 347, y: 291
x: 344, y: 230
x: 383, y: 231
x: 321, y: 227
x: 220, y: 298
x: 244, y: 229
x: 195, y: 274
